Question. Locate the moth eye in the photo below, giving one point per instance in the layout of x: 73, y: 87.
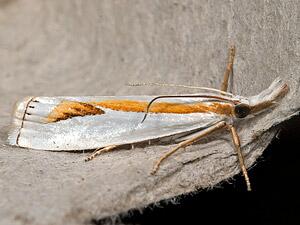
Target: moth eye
x: 242, y: 110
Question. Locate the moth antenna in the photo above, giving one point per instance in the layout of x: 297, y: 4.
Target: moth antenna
x: 179, y: 85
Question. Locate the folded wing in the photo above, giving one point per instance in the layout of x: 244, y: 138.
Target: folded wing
x: 78, y: 123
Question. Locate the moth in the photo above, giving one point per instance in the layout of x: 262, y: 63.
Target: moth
x: 107, y: 122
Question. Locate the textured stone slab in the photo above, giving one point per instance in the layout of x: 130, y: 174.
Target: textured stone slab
x: 94, y: 48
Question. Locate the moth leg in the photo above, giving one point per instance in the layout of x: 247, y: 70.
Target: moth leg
x: 237, y: 145
x: 188, y: 142
x: 229, y: 69
x: 209, y: 130
x: 100, y: 151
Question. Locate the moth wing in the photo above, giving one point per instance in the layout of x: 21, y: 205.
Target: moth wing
x: 32, y: 129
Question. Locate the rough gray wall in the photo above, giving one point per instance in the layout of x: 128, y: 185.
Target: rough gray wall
x: 95, y: 47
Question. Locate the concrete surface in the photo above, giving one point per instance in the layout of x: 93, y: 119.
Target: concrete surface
x: 94, y: 48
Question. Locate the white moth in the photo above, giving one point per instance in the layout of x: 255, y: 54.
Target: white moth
x: 105, y: 122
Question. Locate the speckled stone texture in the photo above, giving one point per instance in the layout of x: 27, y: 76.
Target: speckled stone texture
x: 82, y: 47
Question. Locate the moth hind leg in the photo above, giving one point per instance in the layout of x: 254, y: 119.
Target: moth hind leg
x: 229, y: 69
x: 188, y: 142
x: 100, y: 151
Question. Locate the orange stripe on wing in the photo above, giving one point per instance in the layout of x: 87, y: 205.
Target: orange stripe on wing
x: 69, y: 109
x: 167, y: 107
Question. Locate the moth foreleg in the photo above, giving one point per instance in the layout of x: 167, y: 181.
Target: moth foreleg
x: 237, y: 145
x: 229, y: 69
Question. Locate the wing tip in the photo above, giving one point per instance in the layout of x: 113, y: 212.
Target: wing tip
x: 18, y: 113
